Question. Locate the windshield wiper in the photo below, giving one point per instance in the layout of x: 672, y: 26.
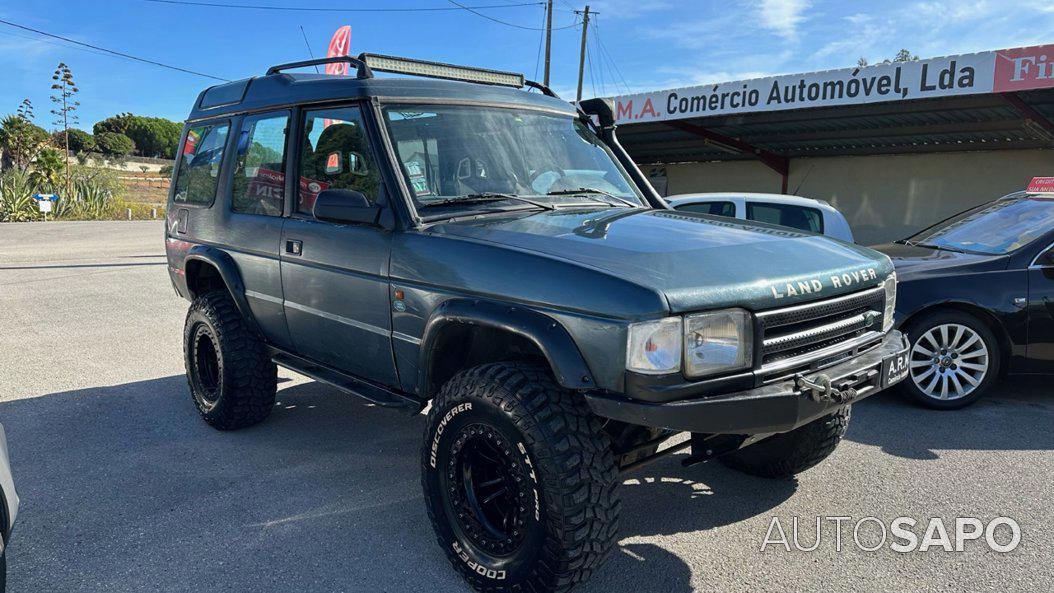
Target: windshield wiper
x: 585, y: 191
x: 953, y: 249
x: 488, y: 197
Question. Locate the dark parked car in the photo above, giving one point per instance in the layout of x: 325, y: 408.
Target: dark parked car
x: 497, y: 254
x: 976, y: 298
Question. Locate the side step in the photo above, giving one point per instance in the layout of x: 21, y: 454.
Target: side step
x: 376, y: 394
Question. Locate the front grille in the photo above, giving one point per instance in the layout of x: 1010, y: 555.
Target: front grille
x: 794, y: 332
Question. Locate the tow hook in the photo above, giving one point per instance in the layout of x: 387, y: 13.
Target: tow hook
x: 821, y: 390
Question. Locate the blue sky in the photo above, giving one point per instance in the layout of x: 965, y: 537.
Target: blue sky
x: 656, y: 44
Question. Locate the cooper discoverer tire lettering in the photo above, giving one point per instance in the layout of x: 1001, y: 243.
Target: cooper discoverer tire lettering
x: 519, y: 480
x: 232, y: 380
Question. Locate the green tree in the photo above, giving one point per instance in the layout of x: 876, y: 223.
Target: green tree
x: 65, y: 109
x: 114, y: 144
x: 79, y: 140
x: 47, y: 169
x: 153, y: 136
x: 20, y: 139
x: 902, y: 56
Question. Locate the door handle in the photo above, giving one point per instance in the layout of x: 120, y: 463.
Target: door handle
x: 294, y: 247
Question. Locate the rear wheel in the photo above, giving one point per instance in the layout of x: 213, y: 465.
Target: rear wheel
x: 954, y: 359
x: 519, y: 480
x: 790, y: 453
x: 232, y: 380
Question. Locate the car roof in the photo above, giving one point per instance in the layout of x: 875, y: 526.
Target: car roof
x: 281, y: 90
x: 680, y: 199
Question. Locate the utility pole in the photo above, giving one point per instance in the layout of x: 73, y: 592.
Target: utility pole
x: 548, y: 39
x: 582, y: 52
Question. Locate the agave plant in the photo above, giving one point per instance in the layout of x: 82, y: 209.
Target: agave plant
x: 16, y: 197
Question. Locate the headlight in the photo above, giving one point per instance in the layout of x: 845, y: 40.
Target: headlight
x: 890, y: 286
x: 654, y: 347
x: 718, y: 342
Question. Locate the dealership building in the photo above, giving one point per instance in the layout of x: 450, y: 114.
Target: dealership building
x: 894, y: 146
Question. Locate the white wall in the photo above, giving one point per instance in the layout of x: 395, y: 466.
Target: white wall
x: 884, y: 197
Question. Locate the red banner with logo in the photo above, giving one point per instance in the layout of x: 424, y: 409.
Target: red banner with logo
x: 339, y: 46
x: 271, y: 184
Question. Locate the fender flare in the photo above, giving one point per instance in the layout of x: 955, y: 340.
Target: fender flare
x: 549, y: 336
x: 232, y: 279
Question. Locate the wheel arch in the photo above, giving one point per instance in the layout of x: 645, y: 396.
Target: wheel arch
x: 207, y: 268
x: 982, y: 314
x: 462, y: 333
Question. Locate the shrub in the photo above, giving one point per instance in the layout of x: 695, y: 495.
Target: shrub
x: 21, y: 140
x: 80, y: 141
x: 114, y: 144
x: 47, y: 169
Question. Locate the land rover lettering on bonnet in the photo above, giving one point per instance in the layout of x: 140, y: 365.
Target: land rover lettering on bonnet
x: 444, y: 239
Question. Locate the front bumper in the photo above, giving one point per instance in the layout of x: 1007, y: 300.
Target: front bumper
x: 777, y: 407
x: 8, y: 498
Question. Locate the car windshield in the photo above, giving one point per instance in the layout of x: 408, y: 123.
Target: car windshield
x: 455, y: 156
x: 993, y: 229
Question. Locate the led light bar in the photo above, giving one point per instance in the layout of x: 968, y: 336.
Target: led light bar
x: 439, y: 70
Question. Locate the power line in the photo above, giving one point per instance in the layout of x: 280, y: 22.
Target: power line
x: 110, y: 51
x: 541, y: 42
x: 332, y: 9
x: 506, y: 23
x: 612, y: 61
x: 600, y: 60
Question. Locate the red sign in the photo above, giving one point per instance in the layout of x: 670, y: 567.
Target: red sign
x: 339, y: 46
x: 1024, y: 68
x: 270, y: 184
x: 1041, y: 185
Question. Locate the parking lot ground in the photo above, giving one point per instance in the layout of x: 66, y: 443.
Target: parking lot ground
x: 124, y: 488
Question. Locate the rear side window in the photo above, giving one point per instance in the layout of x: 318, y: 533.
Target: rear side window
x: 714, y: 208
x: 199, y: 164
x: 796, y: 217
x: 259, y: 177
x: 336, y: 155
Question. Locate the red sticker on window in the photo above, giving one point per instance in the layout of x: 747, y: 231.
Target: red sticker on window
x: 333, y: 163
x: 1041, y: 185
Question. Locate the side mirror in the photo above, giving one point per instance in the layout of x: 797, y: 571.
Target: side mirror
x: 345, y: 205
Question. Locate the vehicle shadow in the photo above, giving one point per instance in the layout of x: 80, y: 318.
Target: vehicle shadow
x: 124, y: 488
x: 1016, y: 415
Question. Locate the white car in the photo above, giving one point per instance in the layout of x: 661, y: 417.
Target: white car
x: 8, y: 507
x: 804, y: 214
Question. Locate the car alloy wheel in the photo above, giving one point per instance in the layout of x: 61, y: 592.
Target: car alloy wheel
x: 949, y: 361
x: 206, y: 367
x: 489, y: 490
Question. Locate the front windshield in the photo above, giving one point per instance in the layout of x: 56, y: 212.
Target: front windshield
x: 995, y: 229
x: 456, y: 153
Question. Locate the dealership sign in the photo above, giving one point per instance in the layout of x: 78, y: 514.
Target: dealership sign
x: 995, y: 71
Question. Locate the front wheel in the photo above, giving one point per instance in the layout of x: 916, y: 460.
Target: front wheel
x: 519, y: 480
x: 954, y: 359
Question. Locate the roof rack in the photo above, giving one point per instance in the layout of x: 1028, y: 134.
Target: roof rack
x: 363, y: 69
x: 367, y: 63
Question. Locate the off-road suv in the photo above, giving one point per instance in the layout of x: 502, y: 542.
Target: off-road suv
x: 496, y: 255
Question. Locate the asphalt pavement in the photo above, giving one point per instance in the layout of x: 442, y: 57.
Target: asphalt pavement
x: 124, y: 488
